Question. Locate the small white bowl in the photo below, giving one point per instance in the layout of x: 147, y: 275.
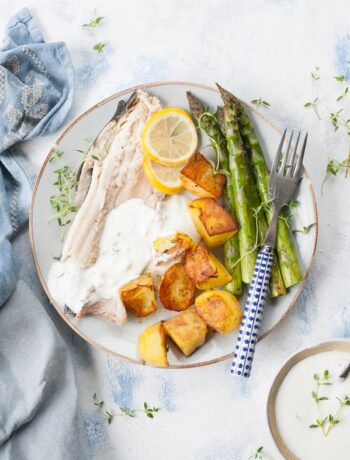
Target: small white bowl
x: 329, y: 345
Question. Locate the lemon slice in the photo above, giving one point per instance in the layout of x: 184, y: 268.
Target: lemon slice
x: 164, y: 178
x: 169, y: 137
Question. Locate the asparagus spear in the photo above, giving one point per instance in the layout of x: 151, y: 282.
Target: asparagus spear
x: 277, y: 287
x: 241, y: 184
x: 231, y: 248
x: 286, y: 253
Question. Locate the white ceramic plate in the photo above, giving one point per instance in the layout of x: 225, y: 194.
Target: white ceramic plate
x: 46, y: 242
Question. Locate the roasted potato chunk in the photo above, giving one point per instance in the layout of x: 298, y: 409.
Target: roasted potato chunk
x: 199, y: 178
x: 187, y: 330
x: 220, y: 310
x: 176, y: 289
x: 170, y: 247
x: 205, y: 270
x: 138, y: 296
x: 152, y: 345
x: 213, y: 223
x: 198, y: 265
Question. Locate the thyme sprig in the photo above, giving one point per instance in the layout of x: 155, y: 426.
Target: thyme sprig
x: 123, y: 411
x: 55, y: 155
x: 63, y: 201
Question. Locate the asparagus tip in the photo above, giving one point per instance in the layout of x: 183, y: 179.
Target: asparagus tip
x: 225, y: 95
x: 196, y: 107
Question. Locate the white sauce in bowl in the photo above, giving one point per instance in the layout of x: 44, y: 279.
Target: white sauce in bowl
x: 296, y: 410
x: 125, y: 251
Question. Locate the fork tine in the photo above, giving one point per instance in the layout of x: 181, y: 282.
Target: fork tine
x: 300, y: 159
x: 293, y: 159
x: 278, y: 154
x: 282, y: 169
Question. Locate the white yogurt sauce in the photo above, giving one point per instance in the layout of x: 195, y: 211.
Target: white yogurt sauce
x: 296, y: 410
x: 125, y: 251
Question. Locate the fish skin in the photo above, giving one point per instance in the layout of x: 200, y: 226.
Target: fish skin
x: 102, y: 186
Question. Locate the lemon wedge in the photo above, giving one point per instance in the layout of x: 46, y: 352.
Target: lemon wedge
x: 164, y: 178
x: 169, y: 137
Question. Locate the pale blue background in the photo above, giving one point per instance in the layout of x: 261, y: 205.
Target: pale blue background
x: 256, y: 48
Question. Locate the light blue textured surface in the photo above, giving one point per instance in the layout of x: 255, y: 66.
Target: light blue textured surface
x: 258, y: 49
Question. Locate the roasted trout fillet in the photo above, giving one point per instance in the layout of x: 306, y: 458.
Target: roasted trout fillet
x: 111, y: 174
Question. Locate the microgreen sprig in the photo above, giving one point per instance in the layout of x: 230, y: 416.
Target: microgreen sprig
x: 315, y: 74
x: 123, y: 411
x: 313, y: 105
x: 344, y: 402
x: 293, y: 215
x: 93, y: 22
x: 217, y: 146
x: 93, y: 25
x: 260, y: 102
x: 258, y: 454
x: 320, y: 381
x: 334, y: 167
x: 327, y: 423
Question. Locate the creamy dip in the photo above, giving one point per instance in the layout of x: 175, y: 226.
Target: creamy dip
x: 296, y: 410
x: 125, y: 251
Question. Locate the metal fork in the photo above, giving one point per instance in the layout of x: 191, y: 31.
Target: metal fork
x: 284, y: 179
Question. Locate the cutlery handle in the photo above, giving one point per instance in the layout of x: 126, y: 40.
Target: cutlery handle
x: 252, y: 317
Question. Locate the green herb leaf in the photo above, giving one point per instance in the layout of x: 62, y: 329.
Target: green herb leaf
x: 93, y: 23
x: 305, y: 230
x: 340, y: 78
x: 260, y: 102
x: 128, y: 412
x: 109, y: 416
x: 99, y: 47
x: 55, y: 155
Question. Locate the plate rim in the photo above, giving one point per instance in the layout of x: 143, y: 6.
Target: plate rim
x: 336, y: 344
x: 31, y: 232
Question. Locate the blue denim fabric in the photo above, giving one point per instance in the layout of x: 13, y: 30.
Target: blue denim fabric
x: 39, y: 417
x: 36, y: 93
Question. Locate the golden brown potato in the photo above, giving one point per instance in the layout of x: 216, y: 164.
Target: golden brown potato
x: 171, y: 247
x: 176, y: 289
x: 152, y: 345
x: 205, y: 270
x: 187, y: 330
x: 199, y: 178
x: 220, y: 310
x: 198, y: 265
x: 138, y: 296
x: 213, y: 223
